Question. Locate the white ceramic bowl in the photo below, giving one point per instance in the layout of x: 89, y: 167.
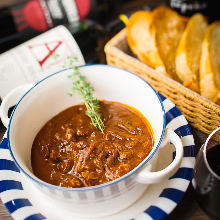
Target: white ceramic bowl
x: 49, y: 97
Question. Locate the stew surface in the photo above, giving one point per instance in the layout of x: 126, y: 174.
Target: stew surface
x: 68, y: 151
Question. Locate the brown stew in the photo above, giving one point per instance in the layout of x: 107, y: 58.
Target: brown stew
x: 70, y: 152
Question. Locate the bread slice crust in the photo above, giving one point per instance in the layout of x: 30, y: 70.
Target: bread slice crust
x: 189, y: 52
x: 169, y: 27
x: 141, y: 40
x: 210, y: 64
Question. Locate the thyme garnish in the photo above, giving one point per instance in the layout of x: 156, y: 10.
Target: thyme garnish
x: 85, y: 90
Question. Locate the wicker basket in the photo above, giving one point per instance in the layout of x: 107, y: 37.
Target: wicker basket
x: 201, y: 113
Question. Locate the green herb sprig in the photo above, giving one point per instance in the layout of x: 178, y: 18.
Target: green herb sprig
x: 85, y: 90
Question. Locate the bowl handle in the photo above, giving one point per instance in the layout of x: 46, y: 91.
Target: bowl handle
x: 12, y: 99
x: 148, y: 177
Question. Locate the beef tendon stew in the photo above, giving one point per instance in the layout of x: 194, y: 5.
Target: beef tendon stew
x: 70, y: 152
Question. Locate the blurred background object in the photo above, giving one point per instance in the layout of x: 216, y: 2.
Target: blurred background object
x: 40, y: 31
x: 91, y: 22
x: 8, y: 3
x: 209, y: 8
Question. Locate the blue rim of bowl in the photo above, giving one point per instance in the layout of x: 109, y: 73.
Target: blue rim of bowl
x: 135, y: 170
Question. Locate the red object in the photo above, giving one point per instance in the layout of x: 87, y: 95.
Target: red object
x: 34, y: 16
x: 83, y: 8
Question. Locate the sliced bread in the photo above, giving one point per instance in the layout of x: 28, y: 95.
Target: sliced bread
x: 140, y: 37
x: 210, y: 64
x: 189, y: 52
x: 169, y: 27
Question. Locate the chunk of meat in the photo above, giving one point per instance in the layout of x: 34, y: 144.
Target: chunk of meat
x: 45, y: 151
x: 127, y: 126
x: 71, y: 181
x: 70, y: 134
x: 112, y: 160
x: 126, y: 155
x: 82, y: 131
x: 81, y: 159
x: 82, y: 144
x: 54, y: 156
x: 65, y: 165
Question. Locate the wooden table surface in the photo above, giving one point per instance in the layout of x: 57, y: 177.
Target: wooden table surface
x: 187, y: 209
